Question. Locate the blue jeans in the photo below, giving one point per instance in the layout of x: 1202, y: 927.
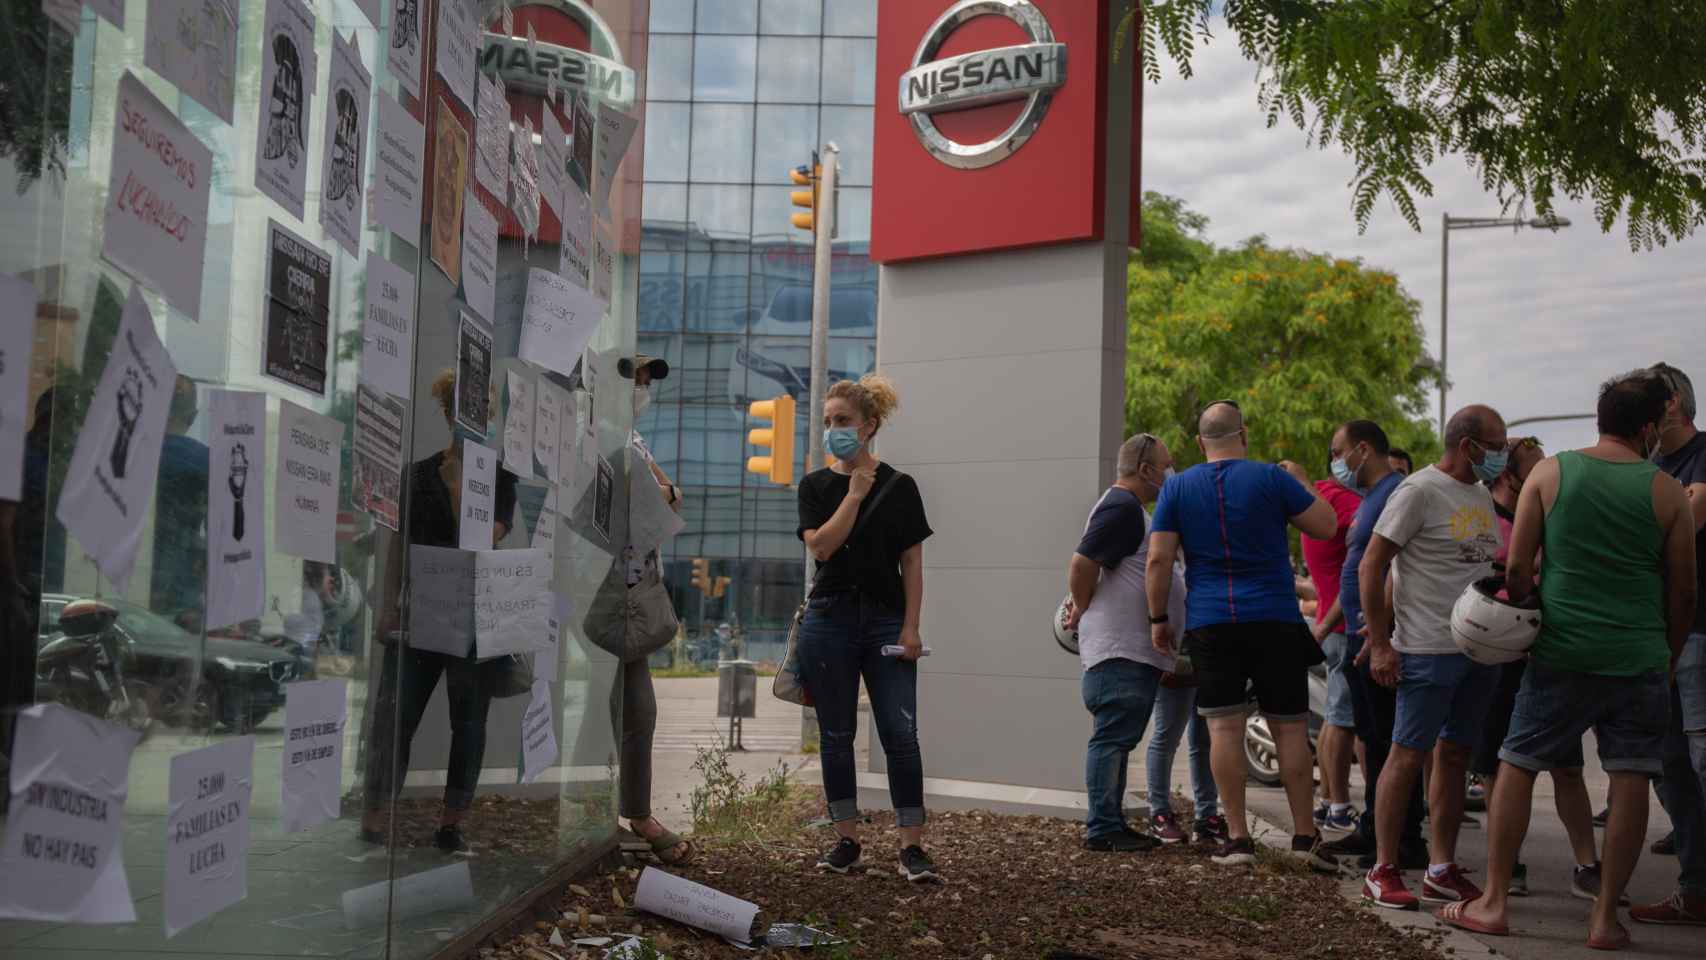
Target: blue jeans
x: 841, y: 640
x: 1175, y: 715
x: 1683, y: 788
x: 1120, y: 695
x: 1339, y: 710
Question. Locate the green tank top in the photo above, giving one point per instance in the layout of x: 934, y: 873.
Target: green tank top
x: 1602, y: 571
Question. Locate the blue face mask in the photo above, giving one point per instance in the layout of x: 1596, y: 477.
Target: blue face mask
x: 1491, y: 466
x: 842, y: 442
x: 1343, y: 473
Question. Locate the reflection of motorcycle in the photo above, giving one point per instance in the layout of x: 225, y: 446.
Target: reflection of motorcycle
x: 84, y: 668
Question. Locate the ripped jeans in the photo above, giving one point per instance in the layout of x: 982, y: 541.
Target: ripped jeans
x: 840, y: 641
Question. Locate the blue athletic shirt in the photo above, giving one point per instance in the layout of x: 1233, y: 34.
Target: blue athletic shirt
x: 1356, y: 544
x: 1231, y: 518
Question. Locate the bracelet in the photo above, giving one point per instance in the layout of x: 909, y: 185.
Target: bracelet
x: 1157, y: 621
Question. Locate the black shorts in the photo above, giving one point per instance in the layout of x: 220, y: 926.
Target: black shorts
x: 1268, y: 661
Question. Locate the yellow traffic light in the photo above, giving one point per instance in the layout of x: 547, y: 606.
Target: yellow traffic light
x: 778, y: 438
x: 719, y: 588
x: 701, y: 574
x: 804, y: 176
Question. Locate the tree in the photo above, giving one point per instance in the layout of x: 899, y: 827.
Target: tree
x: 1302, y: 341
x: 1604, y: 99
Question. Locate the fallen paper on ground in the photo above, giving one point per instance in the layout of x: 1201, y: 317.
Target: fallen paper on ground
x: 432, y: 891
x: 695, y: 904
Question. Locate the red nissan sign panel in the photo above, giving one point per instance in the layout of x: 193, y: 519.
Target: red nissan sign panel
x: 990, y: 125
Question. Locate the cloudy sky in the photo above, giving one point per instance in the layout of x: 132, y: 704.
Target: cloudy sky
x: 1537, y: 319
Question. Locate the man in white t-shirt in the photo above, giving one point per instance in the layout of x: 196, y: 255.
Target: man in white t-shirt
x: 1123, y: 672
x: 1439, y: 534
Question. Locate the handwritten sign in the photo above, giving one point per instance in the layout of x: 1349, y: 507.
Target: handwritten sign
x: 615, y: 132
x: 343, y: 166
x: 236, y: 498
x: 388, y: 330
x: 305, y: 514
x: 193, y: 44
x: 538, y: 736
x: 17, y: 343
x: 403, y: 60
x: 207, y: 831
x: 524, y: 177
x: 545, y: 528
x: 458, y: 31
x: 603, y: 263
x: 479, y: 492
x: 479, y: 256
x: 695, y: 904
x: 398, y: 170
x: 156, y: 215
x: 548, y: 427
x: 288, y: 74
x: 518, y: 426
x: 574, y: 258
x: 441, y: 599
x: 553, y: 157
x: 313, y: 754
x: 558, y: 321
x: 491, y: 136
x: 496, y: 602
x: 109, y: 488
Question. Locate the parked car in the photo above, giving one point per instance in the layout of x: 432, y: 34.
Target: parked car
x: 239, y: 683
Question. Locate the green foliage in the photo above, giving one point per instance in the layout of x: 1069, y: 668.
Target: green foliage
x: 1604, y: 99
x: 1302, y: 342
x: 723, y: 804
x: 35, y: 93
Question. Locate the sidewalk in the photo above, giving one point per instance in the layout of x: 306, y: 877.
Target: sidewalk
x: 687, y: 721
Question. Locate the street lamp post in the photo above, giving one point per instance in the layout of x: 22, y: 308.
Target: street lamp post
x: 1449, y: 223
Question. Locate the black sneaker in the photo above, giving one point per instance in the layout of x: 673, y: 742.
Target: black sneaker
x: 1600, y: 818
x: 1322, y: 809
x: 1665, y: 846
x: 1350, y: 845
x: 1308, y: 849
x: 1585, y: 882
x: 1212, y: 830
x: 915, y: 865
x: 1235, y: 853
x: 1125, y: 841
x: 843, y: 857
x: 449, y: 839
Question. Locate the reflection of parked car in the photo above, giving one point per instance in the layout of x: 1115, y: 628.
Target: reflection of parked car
x: 240, y: 683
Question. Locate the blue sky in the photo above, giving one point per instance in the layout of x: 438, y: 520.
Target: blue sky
x: 1537, y: 319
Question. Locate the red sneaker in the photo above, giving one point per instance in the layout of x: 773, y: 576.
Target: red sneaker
x: 1384, y: 887
x: 1452, y: 887
x: 1675, y: 909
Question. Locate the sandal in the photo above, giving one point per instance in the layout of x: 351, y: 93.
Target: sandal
x: 1617, y: 942
x: 1452, y: 913
x: 664, y: 842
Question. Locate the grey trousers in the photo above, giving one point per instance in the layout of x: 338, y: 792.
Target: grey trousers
x: 636, y: 721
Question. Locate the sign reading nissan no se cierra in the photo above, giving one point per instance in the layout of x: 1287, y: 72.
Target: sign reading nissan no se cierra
x: 989, y: 127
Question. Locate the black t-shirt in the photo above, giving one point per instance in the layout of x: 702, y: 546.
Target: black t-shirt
x: 1687, y: 464
x: 426, y: 502
x: 870, y: 559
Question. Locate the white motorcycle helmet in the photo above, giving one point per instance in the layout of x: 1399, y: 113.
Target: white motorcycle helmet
x: 1066, y: 637
x: 1491, y: 630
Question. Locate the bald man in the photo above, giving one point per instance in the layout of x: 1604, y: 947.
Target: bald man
x: 1439, y: 533
x: 1242, y: 626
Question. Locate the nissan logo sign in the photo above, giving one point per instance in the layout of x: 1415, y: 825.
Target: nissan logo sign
x: 526, y: 66
x: 1029, y: 71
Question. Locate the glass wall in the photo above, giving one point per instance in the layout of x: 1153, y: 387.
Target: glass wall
x: 742, y: 92
x: 263, y: 510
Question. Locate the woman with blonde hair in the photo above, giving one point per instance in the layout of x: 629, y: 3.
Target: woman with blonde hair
x: 864, y: 523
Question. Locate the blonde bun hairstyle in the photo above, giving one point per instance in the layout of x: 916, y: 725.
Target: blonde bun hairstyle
x: 873, y: 395
x: 444, y: 390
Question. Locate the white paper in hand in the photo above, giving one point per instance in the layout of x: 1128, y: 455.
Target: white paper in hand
x: 313, y: 755
x: 109, y: 488
x: 207, y: 831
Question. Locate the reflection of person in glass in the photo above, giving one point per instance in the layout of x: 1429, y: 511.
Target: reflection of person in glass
x: 432, y: 506
x: 178, y: 581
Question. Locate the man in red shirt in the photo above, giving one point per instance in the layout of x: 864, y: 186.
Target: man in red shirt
x: 1325, y: 559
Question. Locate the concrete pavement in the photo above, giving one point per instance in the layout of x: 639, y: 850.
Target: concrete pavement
x: 687, y: 721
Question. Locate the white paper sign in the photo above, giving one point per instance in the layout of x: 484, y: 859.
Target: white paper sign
x: 518, y: 426
x: 156, y: 217
x: 288, y: 75
x: 558, y: 321
x: 603, y: 263
x: 313, y: 754
x: 512, y: 601
x: 479, y: 256
x: 491, y: 136
x: 109, y: 488
x: 538, y: 738
x: 388, y: 332
x: 400, y: 146
x: 524, y: 176
x: 615, y: 132
x: 207, y: 831
x: 305, y: 518
x: 695, y: 904
x: 545, y: 528
x: 548, y: 427
x: 403, y: 60
x: 63, y: 859
x: 458, y: 34
x: 575, y: 254
x: 651, y: 522
x: 343, y: 165
x: 547, y: 657
x: 553, y: 157
x: 441, y: 599
x: 236, y: 507
x: 479, y: 491
x: 193, y: 44
x: 17, y: 342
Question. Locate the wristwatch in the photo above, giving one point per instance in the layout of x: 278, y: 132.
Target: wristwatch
x: 1153, y: 621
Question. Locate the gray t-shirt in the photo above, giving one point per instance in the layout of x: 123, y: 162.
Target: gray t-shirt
x: 1447, y: 536
x: 1116, y: 624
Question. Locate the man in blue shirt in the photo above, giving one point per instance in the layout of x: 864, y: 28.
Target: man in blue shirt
x: 1242, y: 626
x: 1365, y: 450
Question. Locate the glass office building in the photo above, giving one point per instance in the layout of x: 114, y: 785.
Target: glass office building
x: 742, y: 91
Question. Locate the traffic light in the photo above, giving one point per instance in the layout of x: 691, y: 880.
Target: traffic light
x: 779, y: 438
x: 806, y: 176
x: 701, y: 575
x: 719, y: 588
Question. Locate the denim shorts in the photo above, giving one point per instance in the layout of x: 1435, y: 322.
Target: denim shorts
x: 1339, y: 711
x: 1691, y: 682
x: 1441, y: 696
x: 1628, y: 716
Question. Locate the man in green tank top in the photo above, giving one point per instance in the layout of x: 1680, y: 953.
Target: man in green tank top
x: 1618, y: 599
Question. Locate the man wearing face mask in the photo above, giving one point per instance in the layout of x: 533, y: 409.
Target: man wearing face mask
x: 1325, y: 561
x: 1438, y: 534
x: 1619, y: 601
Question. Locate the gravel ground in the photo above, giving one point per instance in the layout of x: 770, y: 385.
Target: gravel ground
x: 1013, y: 887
